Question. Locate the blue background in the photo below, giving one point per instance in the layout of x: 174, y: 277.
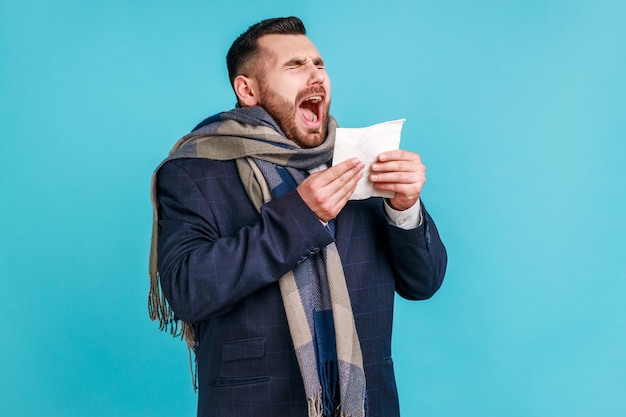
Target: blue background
x: 516, y: 107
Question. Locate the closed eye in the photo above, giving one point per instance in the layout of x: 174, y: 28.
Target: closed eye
x: 319, y: 63
x: 295, y: 63
x: 300, y: 62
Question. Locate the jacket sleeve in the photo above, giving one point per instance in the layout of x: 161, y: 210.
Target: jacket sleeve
x: 419, y: 259
x: 214, y: 249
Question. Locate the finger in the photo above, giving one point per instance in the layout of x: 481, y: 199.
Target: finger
x: 345, y: 166
x: 342, y: 187
x: 398, y: 177
x: 336, y: 175
x: 326, y: 192
x: 398, y: 166
x: 408, y: 184
x: 397, y: 172
x: 407, y: 190
x: 399, y: 155
x: 336, y: 172
x: 327, y: 202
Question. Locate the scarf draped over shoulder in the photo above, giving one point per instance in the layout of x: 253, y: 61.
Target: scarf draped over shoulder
x: 314, y: 293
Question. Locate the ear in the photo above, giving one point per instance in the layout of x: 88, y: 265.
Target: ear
x: 247, y: 90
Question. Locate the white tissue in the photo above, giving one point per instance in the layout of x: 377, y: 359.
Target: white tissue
x: 366, y: 143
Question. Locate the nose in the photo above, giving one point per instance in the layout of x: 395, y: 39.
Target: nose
x: 317, y: 74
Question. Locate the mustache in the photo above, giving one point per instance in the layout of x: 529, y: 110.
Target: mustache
x: 311, y: 91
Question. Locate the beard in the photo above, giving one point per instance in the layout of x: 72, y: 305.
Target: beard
x: 285, y: 115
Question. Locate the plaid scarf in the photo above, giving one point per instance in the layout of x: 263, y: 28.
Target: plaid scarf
x: 314, y: 293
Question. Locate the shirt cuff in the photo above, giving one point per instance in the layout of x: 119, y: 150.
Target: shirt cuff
x: 407, y: 219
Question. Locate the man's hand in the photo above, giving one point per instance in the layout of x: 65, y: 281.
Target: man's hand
x: 401, y: 172
x: 327, y: 192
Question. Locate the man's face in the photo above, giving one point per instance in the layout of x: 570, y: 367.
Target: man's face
x: 294, y: 87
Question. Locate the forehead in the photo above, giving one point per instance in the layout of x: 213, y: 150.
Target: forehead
x: 282, y: 48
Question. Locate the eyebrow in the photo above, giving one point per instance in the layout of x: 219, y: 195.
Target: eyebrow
x: 302, y: 60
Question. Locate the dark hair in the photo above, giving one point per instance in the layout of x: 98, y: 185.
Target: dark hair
x: 242, y: 52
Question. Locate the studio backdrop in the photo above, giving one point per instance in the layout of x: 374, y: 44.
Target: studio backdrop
x: 516, y: 107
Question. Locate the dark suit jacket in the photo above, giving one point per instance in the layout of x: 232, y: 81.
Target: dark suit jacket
x: 220, y: 261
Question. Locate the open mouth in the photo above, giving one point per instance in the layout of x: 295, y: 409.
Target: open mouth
x: 311, y: 109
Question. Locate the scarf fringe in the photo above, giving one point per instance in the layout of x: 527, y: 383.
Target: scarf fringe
x: 159, y: 309
x: 341, y: 413
x: 316, y: 408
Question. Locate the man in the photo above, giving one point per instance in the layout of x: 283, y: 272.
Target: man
x: 284, y: 285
